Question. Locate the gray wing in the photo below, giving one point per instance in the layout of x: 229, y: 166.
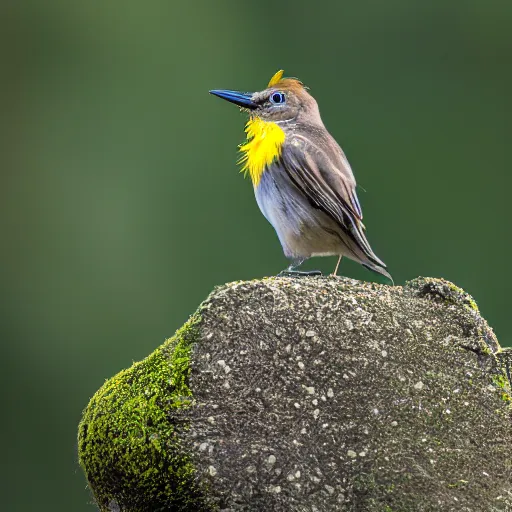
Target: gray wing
x: 323, y: 175
x: 332, y: 165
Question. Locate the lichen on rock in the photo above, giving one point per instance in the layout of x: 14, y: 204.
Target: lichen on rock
x: 301, y: 394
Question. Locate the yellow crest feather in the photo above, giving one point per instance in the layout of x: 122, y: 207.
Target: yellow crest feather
x: 276, y: 78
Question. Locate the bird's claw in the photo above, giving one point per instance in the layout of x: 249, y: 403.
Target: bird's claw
x: 299, y: 273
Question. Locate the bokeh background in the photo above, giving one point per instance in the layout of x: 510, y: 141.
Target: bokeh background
x: 122, y: 206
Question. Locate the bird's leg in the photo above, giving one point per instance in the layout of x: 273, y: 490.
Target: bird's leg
x: 292, y: 271
x: 335, y: 273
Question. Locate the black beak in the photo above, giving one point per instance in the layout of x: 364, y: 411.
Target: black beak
x: 242, y: 99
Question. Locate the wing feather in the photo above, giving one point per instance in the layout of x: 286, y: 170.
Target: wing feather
x: 323, y: 175
x: 334, y: 169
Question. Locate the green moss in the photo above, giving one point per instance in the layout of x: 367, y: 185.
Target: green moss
x: 501, y: 382
x: 463, y: 296
x: 504, y: 358
x: 128, y: 444
x: 457, y: 484
x: 484, y: 348
x: 441, y: 289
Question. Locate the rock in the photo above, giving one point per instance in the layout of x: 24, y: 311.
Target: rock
x: 315, y: 394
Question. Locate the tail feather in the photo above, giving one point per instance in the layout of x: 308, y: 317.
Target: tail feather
x: 379, y: 270
x: 373, y: 262
x: 358, y: 249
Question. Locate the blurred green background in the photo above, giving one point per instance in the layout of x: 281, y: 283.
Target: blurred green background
x: 122, y: 206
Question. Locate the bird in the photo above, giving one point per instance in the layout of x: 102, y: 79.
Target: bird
x: 302, y: 180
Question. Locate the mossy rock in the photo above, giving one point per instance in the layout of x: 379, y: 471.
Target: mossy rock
x: 310, y: 394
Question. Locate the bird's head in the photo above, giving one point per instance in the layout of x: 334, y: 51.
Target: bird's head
x: 284, y: 99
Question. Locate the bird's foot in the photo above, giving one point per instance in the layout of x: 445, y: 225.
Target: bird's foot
x: 299, y: 273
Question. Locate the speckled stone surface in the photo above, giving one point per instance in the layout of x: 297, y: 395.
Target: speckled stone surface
x: 328, y: 394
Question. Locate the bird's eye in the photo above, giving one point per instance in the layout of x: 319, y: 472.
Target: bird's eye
x: 277, y: 98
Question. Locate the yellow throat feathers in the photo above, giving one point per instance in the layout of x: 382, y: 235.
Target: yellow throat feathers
x: 263, y: 146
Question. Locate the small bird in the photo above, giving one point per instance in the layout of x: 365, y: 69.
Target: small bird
x: 302, y: 180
